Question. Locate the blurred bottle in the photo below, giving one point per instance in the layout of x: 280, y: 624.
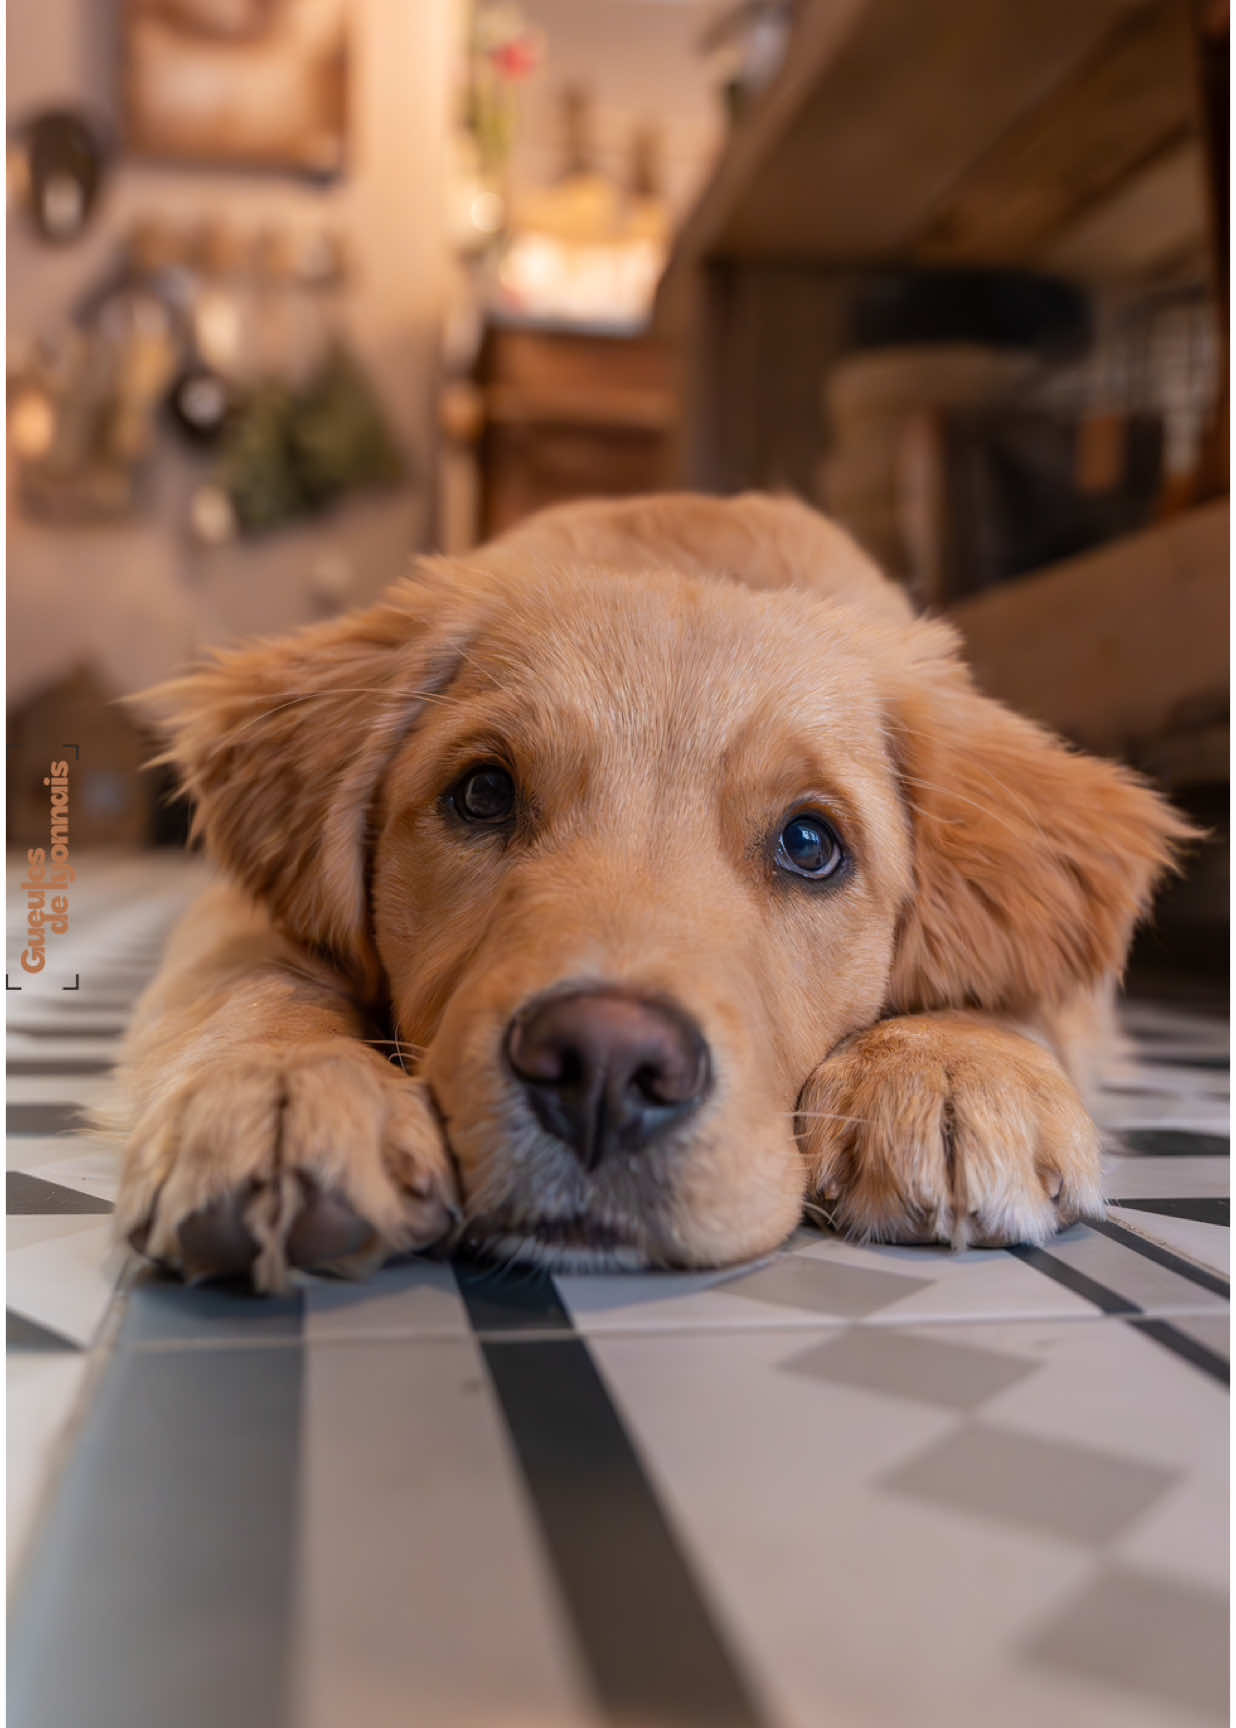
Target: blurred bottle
x: 647, y: 214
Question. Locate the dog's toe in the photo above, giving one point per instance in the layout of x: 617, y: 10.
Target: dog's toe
x: 328, y: 1231
x: 215, y: 1242
x: 261, y: 1170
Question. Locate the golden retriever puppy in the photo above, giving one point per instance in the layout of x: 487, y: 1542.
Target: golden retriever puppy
x: 613, y: 898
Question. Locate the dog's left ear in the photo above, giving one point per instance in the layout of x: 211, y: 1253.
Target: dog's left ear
x: 282, y: 745
x: 1033, y: 862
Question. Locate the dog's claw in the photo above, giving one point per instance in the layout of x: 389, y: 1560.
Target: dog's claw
x: 214, y: 1241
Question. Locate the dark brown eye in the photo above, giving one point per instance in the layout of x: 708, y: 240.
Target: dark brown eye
x: 808, y: 846
x: 485, y: 794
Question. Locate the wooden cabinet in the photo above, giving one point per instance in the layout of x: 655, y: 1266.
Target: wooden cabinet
x: 1070, y: 138
x: 565, y: 415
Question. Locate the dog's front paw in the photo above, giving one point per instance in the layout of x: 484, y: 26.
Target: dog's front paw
x: 324, y: 1158
x: 947, y: 1128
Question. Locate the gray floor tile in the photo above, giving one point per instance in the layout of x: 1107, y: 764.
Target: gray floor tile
x: 161, y: 1589
x: 42, y: 1388
x: 21, y: 1333
x: 26, y: 1193
x: 48, y: 1028
x: 415, y: 1299
x: 160, y: 1312
x: 424, y: 1594
x: 1144, y: 1636
x: 907, y: 1365
x: 1202, y: 1209
x: 1175, y: 1143
x: 72, y: 1068
x: 1044, y: 1485
x: 43, y: 1118
x: 824, y: 1287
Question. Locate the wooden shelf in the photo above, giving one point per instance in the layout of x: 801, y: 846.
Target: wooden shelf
x: 1121, y: 648
x: 976, y: 132
x: 616, y: 408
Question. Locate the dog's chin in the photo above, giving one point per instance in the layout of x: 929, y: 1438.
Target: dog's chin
x: 554, y: 1244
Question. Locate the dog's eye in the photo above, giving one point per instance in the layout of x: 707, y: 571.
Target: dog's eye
x: 808, y: 846
x: 485, y: 794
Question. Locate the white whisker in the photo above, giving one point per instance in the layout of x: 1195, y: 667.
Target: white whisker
x: 820, y: 1212
x: 820, y: 1116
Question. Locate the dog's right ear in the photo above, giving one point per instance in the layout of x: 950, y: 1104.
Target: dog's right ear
x: 281, y: 745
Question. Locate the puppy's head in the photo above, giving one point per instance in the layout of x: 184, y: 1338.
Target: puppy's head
x: 628, y: 854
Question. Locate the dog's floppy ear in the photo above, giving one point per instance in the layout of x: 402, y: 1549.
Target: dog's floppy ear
x: 1032, y: 861
x: 281, y: 745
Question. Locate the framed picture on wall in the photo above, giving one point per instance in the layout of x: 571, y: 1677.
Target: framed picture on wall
x: 258, y: 83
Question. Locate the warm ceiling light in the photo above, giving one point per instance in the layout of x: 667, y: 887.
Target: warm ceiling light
x: 32, y: 424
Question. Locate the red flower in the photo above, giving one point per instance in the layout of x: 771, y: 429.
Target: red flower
x: 517, y: 58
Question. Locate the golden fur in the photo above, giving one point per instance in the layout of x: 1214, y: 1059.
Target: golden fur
x: 668, y: 679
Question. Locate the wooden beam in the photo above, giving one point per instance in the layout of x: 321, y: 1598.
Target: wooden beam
x: 1119, y: 647
x: 881, y: 107
x: 1123, y: 105
x: 1148, y: 221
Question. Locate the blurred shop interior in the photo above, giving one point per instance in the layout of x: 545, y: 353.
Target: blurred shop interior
x: 297, y: 288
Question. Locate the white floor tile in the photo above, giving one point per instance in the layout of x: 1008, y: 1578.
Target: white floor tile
x: 1198, y: 1114
x: 1108, y: 1385
x: 1163, y: 1178
x: 1161, y: 1076
x: 821, y: 1281
x: 856, y: 1605
x: 62, y: 1271
x: 88, y: 1167
x: 1178, y: 1535
x: 1153, y: 1018
x: 67, y: 1050
x: 82, y: 1090
x: 416, y: 1300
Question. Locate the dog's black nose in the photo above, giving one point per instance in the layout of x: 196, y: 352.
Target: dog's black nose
x: 606, y: 1071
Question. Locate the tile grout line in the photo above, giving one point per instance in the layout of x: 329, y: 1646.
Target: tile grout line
x: 646, y: 1634
x: 1110, y: 1302
x: 1188, y: 1349
x: 544, y: 1335
x: 1149, y: 1249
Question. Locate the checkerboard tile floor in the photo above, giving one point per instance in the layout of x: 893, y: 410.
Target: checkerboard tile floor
x: 849, y: 1485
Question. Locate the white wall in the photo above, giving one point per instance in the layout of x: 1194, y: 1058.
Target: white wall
x: 137, y: 596
x: 639, y: 59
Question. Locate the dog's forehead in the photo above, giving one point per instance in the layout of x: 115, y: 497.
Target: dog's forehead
x: 623, y: 646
